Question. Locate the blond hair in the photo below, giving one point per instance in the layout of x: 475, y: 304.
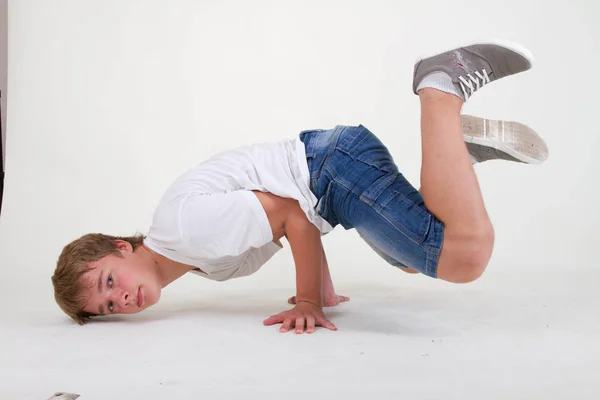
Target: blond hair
x: 74, y: 261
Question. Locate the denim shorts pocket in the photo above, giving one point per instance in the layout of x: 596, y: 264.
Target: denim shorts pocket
x: 407, y: 217
x: 361, y: 144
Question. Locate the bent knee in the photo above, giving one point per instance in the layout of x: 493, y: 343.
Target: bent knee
x: 470, y: 258
x: 469, y: 270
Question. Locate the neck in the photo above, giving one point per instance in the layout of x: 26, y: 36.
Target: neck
x: 166, y: 269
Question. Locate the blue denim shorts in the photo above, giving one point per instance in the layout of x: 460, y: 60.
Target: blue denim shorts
x: 358, y: 186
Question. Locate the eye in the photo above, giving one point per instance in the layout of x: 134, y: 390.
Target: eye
x: 110, y: 281
x: 111, y: 307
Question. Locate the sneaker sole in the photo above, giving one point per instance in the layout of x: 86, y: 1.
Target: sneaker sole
x: 517, y: 48
x: 513, y: 138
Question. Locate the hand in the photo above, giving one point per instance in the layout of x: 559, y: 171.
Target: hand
x: 304, y: 314
x: 328, y: 301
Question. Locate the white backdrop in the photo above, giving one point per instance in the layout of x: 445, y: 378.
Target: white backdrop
x: 110, y: 101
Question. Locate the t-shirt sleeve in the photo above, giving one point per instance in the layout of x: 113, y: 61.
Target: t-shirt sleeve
x: 224, y: 224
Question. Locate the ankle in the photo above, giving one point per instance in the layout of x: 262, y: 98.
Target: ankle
x: 431, y: 95
x: 429, y: 92
x: 441, y: 81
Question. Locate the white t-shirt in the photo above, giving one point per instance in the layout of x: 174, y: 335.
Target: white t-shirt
x: 209, y: 218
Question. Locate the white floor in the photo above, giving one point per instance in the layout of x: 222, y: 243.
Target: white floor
x: 531, y: 336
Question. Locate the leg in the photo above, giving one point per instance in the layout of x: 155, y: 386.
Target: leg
x: 488, y: 140
x: 448, y: 182
x: 401, y: 228
x: 451, y: 191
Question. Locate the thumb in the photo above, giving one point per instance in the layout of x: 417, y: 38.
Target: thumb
x: 274, y: 319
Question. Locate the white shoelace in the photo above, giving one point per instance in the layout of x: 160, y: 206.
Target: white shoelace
x: 480, y: 80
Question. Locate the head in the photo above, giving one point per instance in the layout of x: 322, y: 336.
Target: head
x: 100, y: 274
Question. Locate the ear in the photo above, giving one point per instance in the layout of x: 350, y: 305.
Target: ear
x: 123, y: 246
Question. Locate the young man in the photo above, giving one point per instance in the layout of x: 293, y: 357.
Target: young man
x: 225, y: 217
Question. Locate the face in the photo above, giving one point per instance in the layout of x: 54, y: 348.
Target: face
x: 124, y: 285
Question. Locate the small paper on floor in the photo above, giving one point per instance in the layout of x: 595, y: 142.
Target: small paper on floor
x: 64, y: 396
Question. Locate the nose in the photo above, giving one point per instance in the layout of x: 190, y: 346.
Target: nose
x: 123, y: 298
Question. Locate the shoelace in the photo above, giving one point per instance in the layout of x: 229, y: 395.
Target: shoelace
x: 480, y: 81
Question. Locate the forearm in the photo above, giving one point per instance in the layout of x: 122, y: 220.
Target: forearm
x: 327, y: 283
x: 307, y: 250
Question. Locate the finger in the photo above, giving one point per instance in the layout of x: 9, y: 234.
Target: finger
x: 287, y: 323
x: 310, y: 324
x: 326, y: 324
x: 300, y: 325
x: 292, y: 300
x: 274, y: 319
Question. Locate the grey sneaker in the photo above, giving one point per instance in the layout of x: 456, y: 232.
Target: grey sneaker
x: 472, y: 67
x: 488, y: 139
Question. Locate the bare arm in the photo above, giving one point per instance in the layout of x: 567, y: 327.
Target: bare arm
x: 307, y: 250
x: 329, y: 297
x: 288, y: 219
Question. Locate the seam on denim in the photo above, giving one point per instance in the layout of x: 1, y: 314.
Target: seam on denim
x: 330, y: 150
x: 366, y: 163
x: 432, y: 263
x: 372, y: 193
x: 428, y: 271
x: 433, y: 253
x: 426, y: 216
x: 352, y: 190
x: 337, y: 133
x: 341, y: 143
x: 358, y: 195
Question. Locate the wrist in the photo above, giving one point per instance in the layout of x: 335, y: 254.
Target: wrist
x: 312, y: 302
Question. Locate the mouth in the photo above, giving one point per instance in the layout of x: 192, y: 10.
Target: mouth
x: 140, y: 297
